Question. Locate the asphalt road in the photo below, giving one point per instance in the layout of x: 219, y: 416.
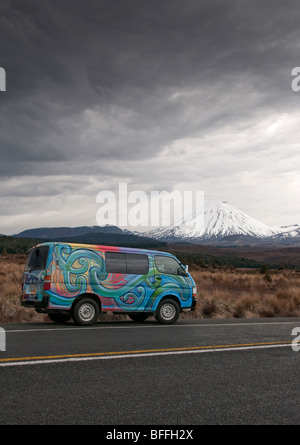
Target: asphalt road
x: 195, y: 372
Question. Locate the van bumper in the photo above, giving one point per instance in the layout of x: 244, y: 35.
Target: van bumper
x: 35, y: 304
x: 194, y: 302
x: 190, y: 308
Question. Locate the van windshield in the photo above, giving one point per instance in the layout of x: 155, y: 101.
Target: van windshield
x: 168, y: 265
x: 37, y: 259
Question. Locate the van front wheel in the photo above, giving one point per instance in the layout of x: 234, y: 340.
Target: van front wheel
x: 86, y: 312
x: 167, y: 312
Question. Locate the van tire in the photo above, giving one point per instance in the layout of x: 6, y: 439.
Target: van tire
x: 168, y: 311
x: 85, y: 312
x: 59, y: 318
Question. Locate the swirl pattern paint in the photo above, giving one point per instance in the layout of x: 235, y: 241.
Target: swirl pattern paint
x: 79, y: 269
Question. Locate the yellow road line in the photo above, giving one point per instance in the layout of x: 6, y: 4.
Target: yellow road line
x: 141, y: 351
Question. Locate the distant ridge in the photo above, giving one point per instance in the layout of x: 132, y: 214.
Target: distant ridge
x: 110, y: 235
x: 224, y: 225
x: 58, y: 232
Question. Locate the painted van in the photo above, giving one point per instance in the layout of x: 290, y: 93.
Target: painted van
x: 81, y: 281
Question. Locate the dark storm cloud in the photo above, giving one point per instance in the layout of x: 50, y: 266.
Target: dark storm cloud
x: 123, y: 61
x: 106, y: 88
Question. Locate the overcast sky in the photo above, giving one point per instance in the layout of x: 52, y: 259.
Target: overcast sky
x: 161, y: 94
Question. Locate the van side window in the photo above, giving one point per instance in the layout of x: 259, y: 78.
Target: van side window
x: 167, y: 265
x: 137, y: 264
x: 128, y: 263
x: 115, y: 262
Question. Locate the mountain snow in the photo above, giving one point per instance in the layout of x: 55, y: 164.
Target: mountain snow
x: 218, y: 221
x: 223, y: 220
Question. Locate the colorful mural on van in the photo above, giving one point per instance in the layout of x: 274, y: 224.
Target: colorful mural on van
x: 78, y: 270
x: 72, y: 270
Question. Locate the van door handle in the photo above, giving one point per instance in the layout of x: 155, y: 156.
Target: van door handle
x: 157, y: 277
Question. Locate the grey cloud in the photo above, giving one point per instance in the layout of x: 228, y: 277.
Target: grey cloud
x: 101, y: 88
x: 71, y: 57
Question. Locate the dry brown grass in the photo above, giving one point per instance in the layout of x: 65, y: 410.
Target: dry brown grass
x: 11, y: 275
x: 247, y: 293
x: 221, y: 293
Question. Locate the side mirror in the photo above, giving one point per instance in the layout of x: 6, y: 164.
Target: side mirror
x: 183, y: 271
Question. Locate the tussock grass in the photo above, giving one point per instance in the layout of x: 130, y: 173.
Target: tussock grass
x: 11, y: 275
x: 246, y: 293
x: 222, y: 293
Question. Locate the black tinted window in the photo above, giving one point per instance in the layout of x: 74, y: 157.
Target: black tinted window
x: 37, y: 258
x: 130, y: 263
x: 115, y: 262
x: 167, y: 265
x: 137, y: 264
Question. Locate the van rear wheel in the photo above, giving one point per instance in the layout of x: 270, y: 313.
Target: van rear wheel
x: 86, y: 312
x: 168, y: 311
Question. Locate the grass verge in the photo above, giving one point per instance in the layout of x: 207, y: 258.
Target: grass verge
x: 222, y: 293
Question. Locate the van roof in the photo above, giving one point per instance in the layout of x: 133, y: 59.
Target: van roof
x: 106, y: 248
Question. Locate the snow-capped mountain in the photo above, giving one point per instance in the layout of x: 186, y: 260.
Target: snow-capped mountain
x: 289, y: 231
x: 220, y: 224
x: 223, y: 220
x: 219, y: 221
x: 289, y: 236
